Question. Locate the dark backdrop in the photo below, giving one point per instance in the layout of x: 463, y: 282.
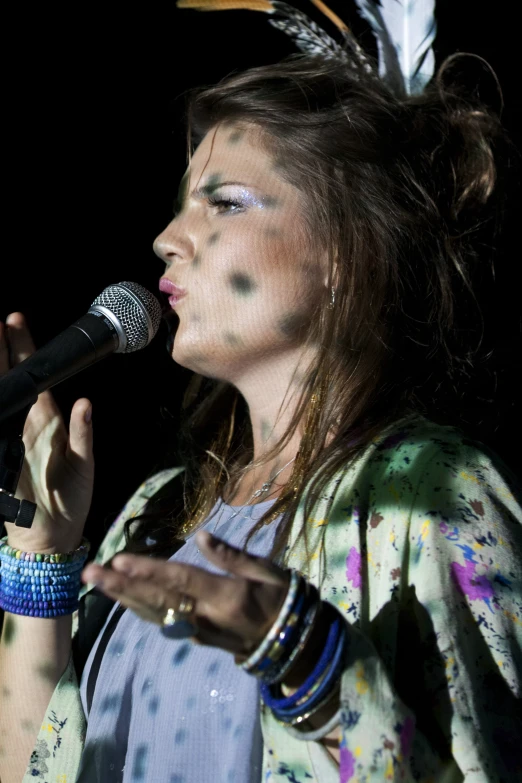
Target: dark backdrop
x: 94, y: 149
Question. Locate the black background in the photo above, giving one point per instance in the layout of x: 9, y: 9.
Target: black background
x: 94, y: 147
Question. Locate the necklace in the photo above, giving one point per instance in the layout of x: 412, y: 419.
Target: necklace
x: 263, y: 488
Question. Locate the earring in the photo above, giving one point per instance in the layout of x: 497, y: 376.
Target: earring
x: 332, y: 299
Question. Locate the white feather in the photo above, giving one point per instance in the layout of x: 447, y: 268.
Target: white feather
x: 405, y: 31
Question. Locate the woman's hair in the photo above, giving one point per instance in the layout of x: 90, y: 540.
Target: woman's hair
x: 398, y: 191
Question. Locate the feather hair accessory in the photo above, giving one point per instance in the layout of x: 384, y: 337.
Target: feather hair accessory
x: 306, y: 34
x: 404, y: 29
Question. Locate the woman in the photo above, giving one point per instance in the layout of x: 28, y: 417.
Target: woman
x: 312, y: 272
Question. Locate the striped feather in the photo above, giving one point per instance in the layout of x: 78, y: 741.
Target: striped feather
x: 308, y: 36
x: 305, y: 33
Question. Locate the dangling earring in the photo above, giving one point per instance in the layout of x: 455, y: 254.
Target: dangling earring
x: 332, y: 299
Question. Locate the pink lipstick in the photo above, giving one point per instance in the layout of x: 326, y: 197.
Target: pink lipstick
x: 175, y: 292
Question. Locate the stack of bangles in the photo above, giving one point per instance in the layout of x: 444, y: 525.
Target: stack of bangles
x: 40, y: 585
x: 280, y: 648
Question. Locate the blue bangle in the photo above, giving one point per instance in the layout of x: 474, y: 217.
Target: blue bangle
x: 284, y: 638
x: 278, y: 673
x: 326, y: 656
x: 326, y: 686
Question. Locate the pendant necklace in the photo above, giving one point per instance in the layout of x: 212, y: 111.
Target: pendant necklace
x: 264, y: 488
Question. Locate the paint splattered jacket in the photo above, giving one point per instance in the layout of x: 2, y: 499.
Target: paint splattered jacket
x: 422, y: 545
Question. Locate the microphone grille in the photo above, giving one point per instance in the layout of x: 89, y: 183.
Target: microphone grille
x: 137, y: 311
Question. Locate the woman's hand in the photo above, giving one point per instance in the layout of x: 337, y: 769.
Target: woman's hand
x: 233, y: 612
x: 58, y: 470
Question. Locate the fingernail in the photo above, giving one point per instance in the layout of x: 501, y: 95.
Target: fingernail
x: 88, y: 414
x: 122, y: 566
x: 122, y: 569
x: 216, y: 543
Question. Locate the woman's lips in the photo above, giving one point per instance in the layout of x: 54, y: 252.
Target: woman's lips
x: 175, y: 292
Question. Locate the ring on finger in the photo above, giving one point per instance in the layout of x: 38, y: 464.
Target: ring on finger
x: 176, y: 623
x: 186, y: 605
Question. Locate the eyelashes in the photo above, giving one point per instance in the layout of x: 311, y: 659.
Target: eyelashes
x: 225, y: 205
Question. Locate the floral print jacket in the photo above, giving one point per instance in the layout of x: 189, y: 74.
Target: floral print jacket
x: 419, y: 546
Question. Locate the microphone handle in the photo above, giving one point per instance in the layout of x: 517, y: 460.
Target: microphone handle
x: 85, y: 342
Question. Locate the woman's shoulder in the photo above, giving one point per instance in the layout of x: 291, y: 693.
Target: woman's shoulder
x: 414, y: 443
x: 416, y: 454
x: 417, y: 476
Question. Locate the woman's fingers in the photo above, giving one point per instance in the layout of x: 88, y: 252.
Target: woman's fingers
x: 245, y: 607
x: 145, y: 598
x: 170, y: 576
x: 79, y: 452
x: 21, y: 343
x: 150, y: 601
x: 238, y: 562
x: 16, y: 346
x: 216, y: 551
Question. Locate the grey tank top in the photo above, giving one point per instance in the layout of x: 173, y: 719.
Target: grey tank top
x: 169, y: 711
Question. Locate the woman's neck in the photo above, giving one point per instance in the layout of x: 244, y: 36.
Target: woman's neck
x: 263, y: 483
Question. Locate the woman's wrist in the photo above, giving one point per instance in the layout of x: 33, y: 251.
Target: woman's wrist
x: 321, y: 725
x: 301, y: 658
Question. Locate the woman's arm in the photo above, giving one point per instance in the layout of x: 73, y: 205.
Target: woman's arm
x: 34, y: 653
x: 426, y: 570
x: 302, y: 669
x: 433, y: 681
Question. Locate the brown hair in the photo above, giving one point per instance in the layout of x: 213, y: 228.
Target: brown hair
x: 400, y: 187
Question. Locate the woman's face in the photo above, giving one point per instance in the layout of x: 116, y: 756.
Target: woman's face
x: 238, y: 247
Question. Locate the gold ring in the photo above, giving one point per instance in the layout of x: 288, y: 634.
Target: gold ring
x: 186, y: 605
x: 185, y: 608
x: 176, y: 623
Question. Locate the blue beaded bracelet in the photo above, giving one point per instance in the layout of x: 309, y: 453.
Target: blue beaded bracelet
x: 39, y: 569
x: 15, y: 591
x: 15, y: 609
x: 40, y: 585
x: 60, y: 557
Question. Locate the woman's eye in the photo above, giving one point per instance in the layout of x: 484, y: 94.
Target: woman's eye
x: 224, y: 205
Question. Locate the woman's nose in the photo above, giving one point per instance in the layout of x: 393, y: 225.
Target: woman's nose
x: 172, y: 244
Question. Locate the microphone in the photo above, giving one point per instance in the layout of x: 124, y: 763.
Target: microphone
x: 124, y: 318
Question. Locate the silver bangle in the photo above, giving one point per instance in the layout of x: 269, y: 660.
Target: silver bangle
x: 275, y: 630
x: 309, y: 624
x: 316, y: 734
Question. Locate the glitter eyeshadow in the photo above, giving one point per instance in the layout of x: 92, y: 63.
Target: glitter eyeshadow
x: 249, y: 200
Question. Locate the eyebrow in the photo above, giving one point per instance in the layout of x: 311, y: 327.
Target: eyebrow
x: 207, y: 190
x: 204, y: 191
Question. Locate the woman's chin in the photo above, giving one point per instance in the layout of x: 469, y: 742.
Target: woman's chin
x: 198, y: 360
